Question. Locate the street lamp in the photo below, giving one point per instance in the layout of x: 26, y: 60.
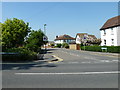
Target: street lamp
x: 45, y: 28
x: 45, y: 37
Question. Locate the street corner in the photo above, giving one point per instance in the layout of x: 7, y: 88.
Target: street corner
x: 55, y: 60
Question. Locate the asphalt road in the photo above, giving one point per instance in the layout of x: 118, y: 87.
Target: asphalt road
x: 79, y: 69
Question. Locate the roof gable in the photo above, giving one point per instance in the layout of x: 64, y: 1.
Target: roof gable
x: 112, y: 22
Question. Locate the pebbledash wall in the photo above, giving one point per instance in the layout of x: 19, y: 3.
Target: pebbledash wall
x: 110, y: 36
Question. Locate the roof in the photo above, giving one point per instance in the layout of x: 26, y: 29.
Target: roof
x: 112, y: 22
x: 65, y: 37
x: 81, y: 34
x: 92, y: 36
x: 88, y: 35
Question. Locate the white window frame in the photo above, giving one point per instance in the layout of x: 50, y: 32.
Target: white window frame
x: 104, y: 32
x: 112, y: 41
x: 112, y: 32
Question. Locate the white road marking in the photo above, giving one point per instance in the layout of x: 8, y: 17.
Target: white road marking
x: 85, y: 62
x: 73, y: 62
x: 16, y: 68
x: 115, y: 60
x: 77, y: 73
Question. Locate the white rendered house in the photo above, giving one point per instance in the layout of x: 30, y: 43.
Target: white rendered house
x: 64, y: 39
x: 82, y: 37
x: 110, y: 32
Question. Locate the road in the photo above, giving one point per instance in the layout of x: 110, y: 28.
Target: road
x: 77, y: 69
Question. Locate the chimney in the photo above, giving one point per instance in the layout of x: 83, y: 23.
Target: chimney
x: 56, y: 36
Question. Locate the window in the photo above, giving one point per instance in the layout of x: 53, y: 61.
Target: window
x: 104, y: 42
x: 112, y: 41
x: 112, y: 33
x: 104, y: 32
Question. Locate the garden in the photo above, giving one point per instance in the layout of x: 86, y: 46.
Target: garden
x: 19, y: 42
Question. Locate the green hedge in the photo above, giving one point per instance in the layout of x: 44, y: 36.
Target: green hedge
x: 22, y: 54
x: 111, y: 49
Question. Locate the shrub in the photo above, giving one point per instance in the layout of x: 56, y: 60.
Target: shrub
x: 112, y: 49
x: 65, y: 45
x: 52, y: 45
x: 59, y: 45
x: 21, y: 54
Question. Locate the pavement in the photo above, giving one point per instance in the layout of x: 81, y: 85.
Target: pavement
x: 103, y: 53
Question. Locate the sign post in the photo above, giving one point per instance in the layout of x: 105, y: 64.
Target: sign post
x: 45, y: 38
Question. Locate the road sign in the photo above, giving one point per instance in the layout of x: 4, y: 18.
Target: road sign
x: 45, y: 38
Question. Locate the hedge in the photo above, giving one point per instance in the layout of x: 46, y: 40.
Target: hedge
x: 111, y: 49
x: 20, y: 54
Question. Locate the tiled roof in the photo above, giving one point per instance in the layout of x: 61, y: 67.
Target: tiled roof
x: 65, y: 37
x: 92, y: 36
x: 112, y: 22
x: 81, y: 35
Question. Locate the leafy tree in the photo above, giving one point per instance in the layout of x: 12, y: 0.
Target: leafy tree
x: 35, y: 40
x: 13, y: 32
x: 94, y: 42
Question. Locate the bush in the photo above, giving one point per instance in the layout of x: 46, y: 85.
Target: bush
x: 59, y: 45
x: 112, y: 49
x: 33, y: 48
x: 65, y: 45
x: 52, y: 45
x: 21, y: 54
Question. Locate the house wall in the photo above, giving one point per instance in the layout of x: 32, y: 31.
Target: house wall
x: 118, y: 36
x: 109, y: 36
x: 58, y: 41
x: 78, y: 40
x: 62, y: 41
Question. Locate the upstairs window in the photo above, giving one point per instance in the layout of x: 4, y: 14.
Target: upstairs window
x: 104, y: 32
x: 112, y: 32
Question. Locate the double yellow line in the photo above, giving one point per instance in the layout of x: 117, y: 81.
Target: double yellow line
x: 57, y: 59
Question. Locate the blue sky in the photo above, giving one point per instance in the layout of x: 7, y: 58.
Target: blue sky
x: 62, y: 17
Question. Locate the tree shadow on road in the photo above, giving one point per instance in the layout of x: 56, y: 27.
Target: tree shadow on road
x: 27, y: 66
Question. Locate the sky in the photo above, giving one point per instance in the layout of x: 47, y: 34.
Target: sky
x: 62, y: 17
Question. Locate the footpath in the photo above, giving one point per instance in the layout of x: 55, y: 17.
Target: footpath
x: 103, y: 53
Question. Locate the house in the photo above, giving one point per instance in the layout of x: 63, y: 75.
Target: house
x: 110, y: 32
x: 84, y: 38
x: 64, y: 39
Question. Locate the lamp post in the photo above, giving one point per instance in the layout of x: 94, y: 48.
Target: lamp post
x: 45, y: 28
x: 45, y: 35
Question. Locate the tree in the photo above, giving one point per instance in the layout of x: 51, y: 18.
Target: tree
x: 94, y: 42
x: 35, y: 40
x: 13, y: 32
